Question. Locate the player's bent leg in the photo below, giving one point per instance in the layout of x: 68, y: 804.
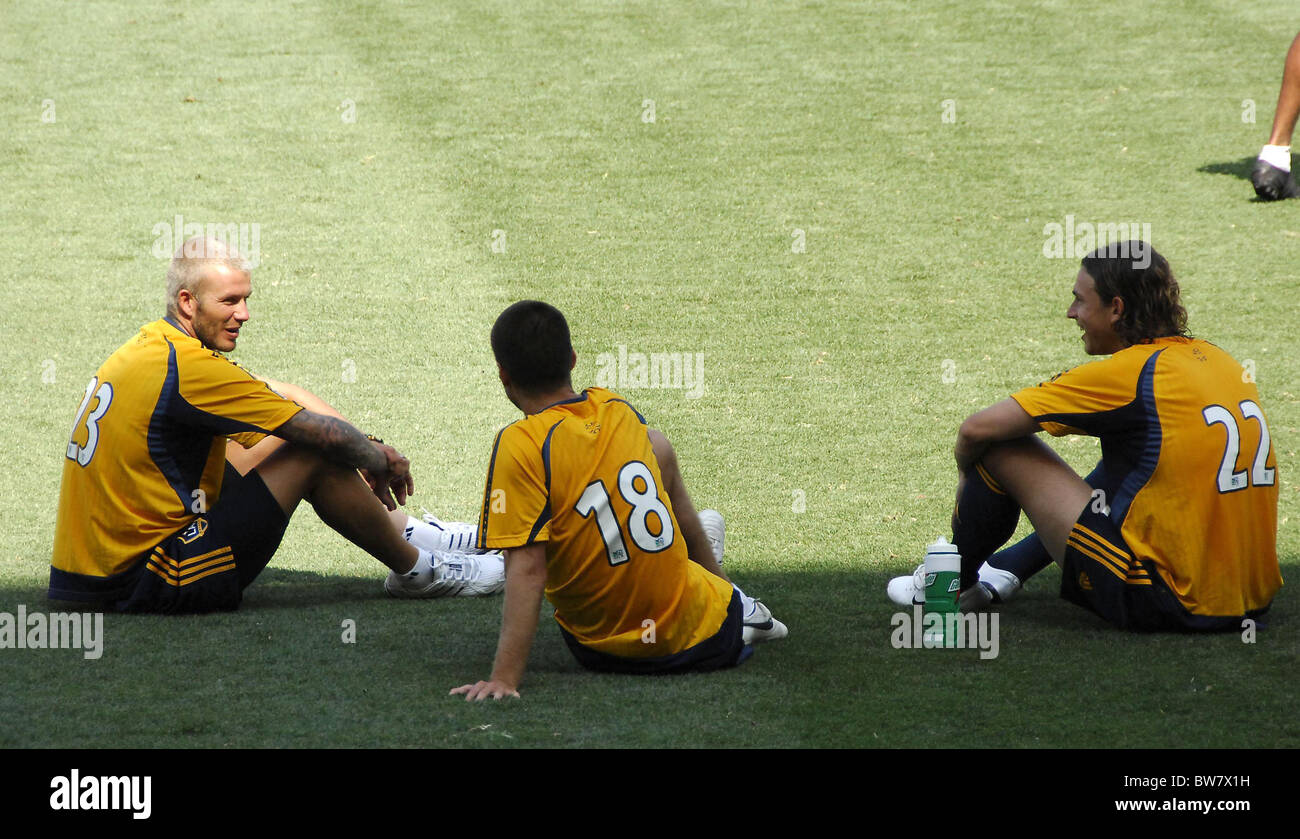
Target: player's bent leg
x: 984, y: 517
x: 1009, y: 569
x: 698, y: 546
x: 704, y: 534
x: 1047, y: 489
x: 341, y: 499
x: 246, y: 460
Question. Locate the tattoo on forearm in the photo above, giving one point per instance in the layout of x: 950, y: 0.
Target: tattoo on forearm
x: 336, y: 438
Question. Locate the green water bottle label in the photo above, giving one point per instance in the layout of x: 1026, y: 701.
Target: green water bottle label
x: 942, y: 586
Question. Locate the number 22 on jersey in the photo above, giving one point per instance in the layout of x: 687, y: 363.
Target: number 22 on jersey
x: 1260, y: 474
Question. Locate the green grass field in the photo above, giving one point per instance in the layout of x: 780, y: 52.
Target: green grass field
x: 840, y: 205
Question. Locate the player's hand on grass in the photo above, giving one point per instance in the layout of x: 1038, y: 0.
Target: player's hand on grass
x: 482, y: 690
x: 396, y: 482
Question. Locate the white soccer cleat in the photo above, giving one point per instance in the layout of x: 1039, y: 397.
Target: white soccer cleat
x: 716, y: 529
x: 450, y: 575
x: 909, y: 590
x: 759, y: 625
x: 433, y: 534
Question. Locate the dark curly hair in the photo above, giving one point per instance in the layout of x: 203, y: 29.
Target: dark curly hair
x: 1134, y: 272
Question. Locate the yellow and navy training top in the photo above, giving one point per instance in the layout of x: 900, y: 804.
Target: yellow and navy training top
x: 147, y: 454
x: 581, y: 477
x: 1187, y: 465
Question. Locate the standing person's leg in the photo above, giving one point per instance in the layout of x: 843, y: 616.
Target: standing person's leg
x: 1288, y: 98
x: 1272, y: 173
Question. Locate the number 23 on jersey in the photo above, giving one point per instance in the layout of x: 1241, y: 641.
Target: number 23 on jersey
x: 104, y: 393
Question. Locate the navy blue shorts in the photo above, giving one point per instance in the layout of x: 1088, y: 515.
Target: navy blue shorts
x: 725, y: 648
x: 1101, y: 574
x: 206, y: 566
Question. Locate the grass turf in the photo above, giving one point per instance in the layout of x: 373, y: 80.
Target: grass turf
x: 858, y: 273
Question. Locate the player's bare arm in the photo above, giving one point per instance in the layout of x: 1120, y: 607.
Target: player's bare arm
x: 688, y: 519
x: 1005, y: 420
x: 245, y: 460
x: 302, y: 396
x: 525, y: 585
x: 384, y: 467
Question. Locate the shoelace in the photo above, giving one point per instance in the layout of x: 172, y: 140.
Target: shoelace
x: 461, y: 570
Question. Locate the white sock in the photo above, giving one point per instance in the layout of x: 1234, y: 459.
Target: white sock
x: 423, y: 535
x: 1003, y: 583
x: 1279, y: 156
x: 745, y: 600
x: 423, y: 563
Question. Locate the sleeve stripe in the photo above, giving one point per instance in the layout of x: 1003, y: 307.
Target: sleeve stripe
x: 487, y: 492
x: 545, y: 515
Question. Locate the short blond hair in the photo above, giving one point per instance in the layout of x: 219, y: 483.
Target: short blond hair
x: 192, y: 261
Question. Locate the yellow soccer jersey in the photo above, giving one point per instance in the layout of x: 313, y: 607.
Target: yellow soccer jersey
x: 581, y: 476
x: 1188, y: 468
x: 147, y: 453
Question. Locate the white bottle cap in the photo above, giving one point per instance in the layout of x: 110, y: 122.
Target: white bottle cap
x: 942, y: 556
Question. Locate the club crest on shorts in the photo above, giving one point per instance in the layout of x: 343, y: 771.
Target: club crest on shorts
x: 195, y: 530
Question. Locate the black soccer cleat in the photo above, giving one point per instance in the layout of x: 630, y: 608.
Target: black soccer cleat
x: 1272, y: 183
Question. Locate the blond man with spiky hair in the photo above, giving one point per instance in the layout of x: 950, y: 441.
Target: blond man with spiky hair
x: 183, y: 469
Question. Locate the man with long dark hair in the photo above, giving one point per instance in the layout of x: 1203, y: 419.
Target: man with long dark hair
x: 1176, y: 528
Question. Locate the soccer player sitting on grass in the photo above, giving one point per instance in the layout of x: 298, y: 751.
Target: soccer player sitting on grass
x: 1272, y: 176
x: 158, y: 512
x: 589, y: 505
x: 1176, y: 528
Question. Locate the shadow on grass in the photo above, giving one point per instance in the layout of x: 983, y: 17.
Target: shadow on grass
x: 274, y: 589
x: 1236, y: 168
x: 286, y: 590
x: 283, y: 671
